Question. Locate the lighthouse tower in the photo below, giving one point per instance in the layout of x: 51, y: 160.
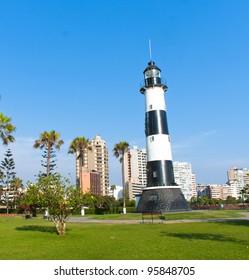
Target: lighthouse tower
x: 161, y: 193
x: 159, y: 157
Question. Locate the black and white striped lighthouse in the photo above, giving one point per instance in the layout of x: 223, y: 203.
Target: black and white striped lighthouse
x: 161, y: 192
x: 159, y: 157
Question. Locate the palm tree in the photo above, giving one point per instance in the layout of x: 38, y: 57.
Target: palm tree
x: 79, y: 146
x: 48, y: 140
x: 6, y: 129
x: 113, y: 188
x: 119, y: 151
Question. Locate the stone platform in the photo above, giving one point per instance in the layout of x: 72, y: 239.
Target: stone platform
x: 162, y: 199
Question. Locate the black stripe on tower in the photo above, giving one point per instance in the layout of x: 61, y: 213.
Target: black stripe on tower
x: 156, y: 123
x: 160, y: 173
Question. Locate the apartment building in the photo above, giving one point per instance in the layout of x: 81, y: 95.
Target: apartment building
x: 90, y: 181
x: 238, y: 178
x: 96, y: 160
x: 185, y: 178
x: 218, y: 191
x: 135, y: 171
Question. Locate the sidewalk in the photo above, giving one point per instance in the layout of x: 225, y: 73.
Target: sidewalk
x: 88, y: 220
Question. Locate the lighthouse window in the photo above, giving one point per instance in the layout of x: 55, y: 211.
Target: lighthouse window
x: 152, y: 139
x: 150, y: 107
x: 154, y: 174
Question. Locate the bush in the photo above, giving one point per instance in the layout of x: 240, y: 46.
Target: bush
x: 130, y: 209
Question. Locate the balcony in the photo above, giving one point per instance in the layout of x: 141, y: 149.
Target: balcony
x: 151, y: 82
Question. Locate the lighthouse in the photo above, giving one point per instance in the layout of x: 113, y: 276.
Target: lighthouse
x: 161, y: 193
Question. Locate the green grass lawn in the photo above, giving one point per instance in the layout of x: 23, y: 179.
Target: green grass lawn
x: 174, y: 216
x: 36, y: 239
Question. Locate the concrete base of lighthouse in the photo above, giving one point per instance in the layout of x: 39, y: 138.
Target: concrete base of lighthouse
x: 162, y: 199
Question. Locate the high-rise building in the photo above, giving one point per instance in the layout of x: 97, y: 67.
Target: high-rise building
x: 96, y: 159
x: 185, y: 178
x: 217, y: 191
x: 90, y: 180
x: 135, y: 166
x: 135, y: 171
x: 238, y: 178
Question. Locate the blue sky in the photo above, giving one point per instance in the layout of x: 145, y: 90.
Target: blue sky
x: 76, y: 66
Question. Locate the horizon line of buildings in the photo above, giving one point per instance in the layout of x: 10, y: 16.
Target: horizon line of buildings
x: 95, y: 175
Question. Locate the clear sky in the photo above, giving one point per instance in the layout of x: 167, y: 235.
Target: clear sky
x: 76, y: 67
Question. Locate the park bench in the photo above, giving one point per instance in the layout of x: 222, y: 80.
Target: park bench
x: 153, y: 214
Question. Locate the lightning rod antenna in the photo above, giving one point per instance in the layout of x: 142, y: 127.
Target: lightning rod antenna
x: 150, y: 50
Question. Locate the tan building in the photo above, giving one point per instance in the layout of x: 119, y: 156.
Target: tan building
x: 97, y: 159
x: 90, y: 181
x: 215, y: 191
x: 135, y: 171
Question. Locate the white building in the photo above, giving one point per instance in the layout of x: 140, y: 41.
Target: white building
x: 185, y: 178
x: 135, y: 171
x: 117, y: 192
x: 238, y: 178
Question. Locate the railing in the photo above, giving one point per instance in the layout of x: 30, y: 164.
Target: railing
x: 153, y: 81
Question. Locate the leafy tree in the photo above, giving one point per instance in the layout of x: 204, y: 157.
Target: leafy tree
x: 79, y: 146
x: 203, y: 200
x: 230, y: 200
x: 89, y: 200
x: 6, y: 129
x: 119, y: 151
x: 55, y: 193
x: 105, y: 204
x: 243, y: 193
x: 214, y: 201
x: 193, y: 201
x: 31, y: 199
x: 7, y: 177
x: 49, y: 140
x: 18, y: 191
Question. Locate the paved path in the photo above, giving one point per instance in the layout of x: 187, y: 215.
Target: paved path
x: 88, y: 220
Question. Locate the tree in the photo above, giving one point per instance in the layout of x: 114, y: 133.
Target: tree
x: 49, y: 140
x: 6, y: 129
x: 113, y: 188
x: 7, y: 177
x: 119, y: 151
x: 193, y: 201
x: 18, y: 191
x: 79, y: 146
x: 31, y: 199
x: 203, y: 200
x: 230, y: 200
x: 89, y: 200
x: 243, y: 193
x: 55, y: 193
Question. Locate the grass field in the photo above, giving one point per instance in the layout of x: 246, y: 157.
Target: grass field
x: 36, y: 239
x: 175, y: 215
